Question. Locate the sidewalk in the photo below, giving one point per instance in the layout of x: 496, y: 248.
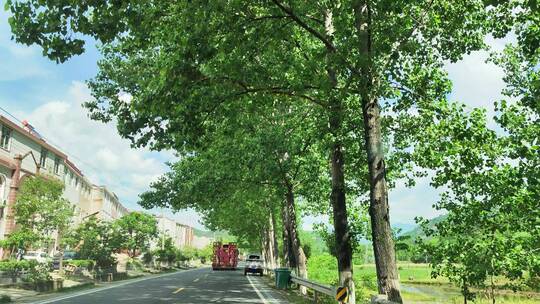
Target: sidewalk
x: 15, y: 293
x: 33, y: 296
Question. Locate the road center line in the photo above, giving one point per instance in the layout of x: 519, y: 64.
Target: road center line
x: 257, y: 291
x: 178, y: 290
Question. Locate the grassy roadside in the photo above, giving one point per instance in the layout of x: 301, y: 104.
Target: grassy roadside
x: 417, y: 284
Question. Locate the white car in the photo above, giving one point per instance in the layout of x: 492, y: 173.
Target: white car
x: 39, y: 256
x: 254, y: 264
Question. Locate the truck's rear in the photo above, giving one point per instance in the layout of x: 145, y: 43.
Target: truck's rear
x: 225, y: 256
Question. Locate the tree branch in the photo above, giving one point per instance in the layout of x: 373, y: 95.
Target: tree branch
x: 304, y: 25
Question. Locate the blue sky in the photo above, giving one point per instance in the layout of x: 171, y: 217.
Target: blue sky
x: 49, y: 95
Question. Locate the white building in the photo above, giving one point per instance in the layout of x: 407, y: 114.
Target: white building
x: 201, y: 242
x: 105, y: 204
x: 182, y: 235
x: 23, y: 152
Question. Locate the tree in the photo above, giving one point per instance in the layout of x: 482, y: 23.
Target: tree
x: 136, y: 230
x: 402, y: 242
x: 96, y: 240
x: 206, y: 253
x: 184, y: 68
x: 491, y: 210
x: 39, y: 212
x: 167, y: 253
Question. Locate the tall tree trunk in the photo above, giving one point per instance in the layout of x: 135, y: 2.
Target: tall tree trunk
x: 274, y: 237
x: 264, y: 244
x: 381, y: 231
x: 271, y: 262
x: 268, y: 256
x: 338, y: 197
x: 383, y: 245
x: 339, y: 206
x: 295, y: 239
x: 288, y: 257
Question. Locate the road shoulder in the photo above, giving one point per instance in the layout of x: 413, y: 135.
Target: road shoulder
x: 57, y: 296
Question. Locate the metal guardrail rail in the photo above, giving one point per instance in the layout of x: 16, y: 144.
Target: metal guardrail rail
x: 317, y: 288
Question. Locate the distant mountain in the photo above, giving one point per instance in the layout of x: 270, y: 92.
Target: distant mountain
x: 405, y: 227
x: 211, y: 234
x: 417, y: 230
x: 318, y: 246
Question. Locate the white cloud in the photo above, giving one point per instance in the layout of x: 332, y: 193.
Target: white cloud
x: 95, y: 147
x: 476, y: 82
x: 407, y: 203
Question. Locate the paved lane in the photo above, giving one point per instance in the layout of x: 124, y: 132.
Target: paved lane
x: 192, y: 286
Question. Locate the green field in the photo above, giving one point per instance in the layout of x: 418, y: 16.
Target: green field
x: 416, y: 281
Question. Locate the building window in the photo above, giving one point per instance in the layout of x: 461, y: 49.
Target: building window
x: 43, y: 157
x: 6, y: 135
x: 57, y: 165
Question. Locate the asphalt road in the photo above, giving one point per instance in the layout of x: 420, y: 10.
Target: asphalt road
x: 192, y: 286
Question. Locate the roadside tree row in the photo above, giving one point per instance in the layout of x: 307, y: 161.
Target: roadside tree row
x: 273, y: 105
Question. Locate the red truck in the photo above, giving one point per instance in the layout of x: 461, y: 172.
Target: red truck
x: 225, y: 256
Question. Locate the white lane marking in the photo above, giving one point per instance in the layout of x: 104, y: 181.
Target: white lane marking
x: 110, y: 287
x: 257, y: 291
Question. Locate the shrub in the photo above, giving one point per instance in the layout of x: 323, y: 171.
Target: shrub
x: 88, y: 264
x: 369, y: 281
x: 323, y: 268
x: 14, y: 268
x: 307, y: 249
x: 148, y: 257
x: 135, y: 264
x: 5, y: 299
x: 38, y: 273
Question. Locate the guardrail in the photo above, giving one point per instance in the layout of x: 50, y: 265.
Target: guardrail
x: 333, y: 292
x: 316, y: 287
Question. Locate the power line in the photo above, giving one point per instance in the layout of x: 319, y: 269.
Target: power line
x: 50, y: 142
x: 11, y: 115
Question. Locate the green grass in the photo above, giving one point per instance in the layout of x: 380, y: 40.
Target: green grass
x: 408, y: 273
x: 417, y: 284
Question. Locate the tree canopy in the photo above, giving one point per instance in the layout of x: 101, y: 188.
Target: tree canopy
x: 175, y: 75
x: 136, y: 229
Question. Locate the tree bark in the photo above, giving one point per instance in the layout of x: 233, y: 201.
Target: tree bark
x: 338, y: 197
x: 270, y: 237
x: 274, y: 237
x: 288, y: 257
x: 339, y: 206
x: 295, y: 239
x: 264, y: 244
x: 61, y: 251
x: 381, y: 232
x: 383, y: 245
